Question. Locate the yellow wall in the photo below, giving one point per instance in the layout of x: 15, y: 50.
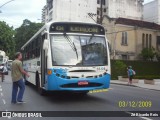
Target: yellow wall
x: 134, y: 47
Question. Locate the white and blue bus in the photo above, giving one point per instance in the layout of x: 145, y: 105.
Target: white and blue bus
x: 68, y: 56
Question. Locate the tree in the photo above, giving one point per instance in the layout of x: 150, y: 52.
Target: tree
x: 25, y: 32
x: 7, y: 41
x: 148, y: 53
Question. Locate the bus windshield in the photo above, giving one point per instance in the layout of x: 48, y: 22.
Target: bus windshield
x: 78, y: 50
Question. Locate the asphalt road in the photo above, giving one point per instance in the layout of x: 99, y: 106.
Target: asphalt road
x: 135, y: 99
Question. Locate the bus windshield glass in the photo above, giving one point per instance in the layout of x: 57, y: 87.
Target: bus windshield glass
x: 78, y: 50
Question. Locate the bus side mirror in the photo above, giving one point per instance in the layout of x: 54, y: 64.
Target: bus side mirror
x: 45, y: 44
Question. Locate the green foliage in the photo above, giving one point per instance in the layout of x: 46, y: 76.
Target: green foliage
x: 148, y: 53
x: 7, y: 41
x: 142, y: 68
x: 25, y: 32
x: 148, y: 77
x: 118, y: 68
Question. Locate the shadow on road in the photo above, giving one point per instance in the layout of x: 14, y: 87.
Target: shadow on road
x: 64, y: 96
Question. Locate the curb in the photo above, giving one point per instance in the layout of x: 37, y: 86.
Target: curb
x: 135, y: 86
x: 124, y: 84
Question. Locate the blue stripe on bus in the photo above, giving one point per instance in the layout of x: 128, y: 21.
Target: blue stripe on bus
x: 54, y: 83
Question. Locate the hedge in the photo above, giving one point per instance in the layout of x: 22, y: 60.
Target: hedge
x: 142, y: 68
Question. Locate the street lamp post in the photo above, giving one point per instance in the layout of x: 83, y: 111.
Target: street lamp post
x: 5, y: 4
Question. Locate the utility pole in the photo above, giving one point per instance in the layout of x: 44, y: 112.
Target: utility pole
x: 101, y: 9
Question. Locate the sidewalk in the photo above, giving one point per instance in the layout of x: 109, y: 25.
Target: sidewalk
x: 139, y: 84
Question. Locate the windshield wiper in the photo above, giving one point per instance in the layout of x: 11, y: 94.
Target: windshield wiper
x: 71, y: 44
x: 90, y: 39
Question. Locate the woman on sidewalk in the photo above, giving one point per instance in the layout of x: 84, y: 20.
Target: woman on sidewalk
x: 131, y: 73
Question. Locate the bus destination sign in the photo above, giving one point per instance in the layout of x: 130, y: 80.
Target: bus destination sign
x: 77, y: 28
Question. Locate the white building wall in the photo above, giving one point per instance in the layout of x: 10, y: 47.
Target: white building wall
x: 132, y: 9
x: 150, y: 12
x: 73, y: 10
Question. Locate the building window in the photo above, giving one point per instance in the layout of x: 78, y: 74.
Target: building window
x: 146, y: 40
x: 143, y: 40
x: 98, y: 1
x: 104, y: 9
x: 98, y: 13
x: 124, y: 38
x: 150, y: 41
x: 50, y: 4
x: 124, y: 57
x: 103, y: 2
x: 50, y: 16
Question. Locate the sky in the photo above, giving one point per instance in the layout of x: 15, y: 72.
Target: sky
x: 16, y: 11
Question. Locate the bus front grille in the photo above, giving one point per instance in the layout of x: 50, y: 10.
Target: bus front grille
x: 75, y: 85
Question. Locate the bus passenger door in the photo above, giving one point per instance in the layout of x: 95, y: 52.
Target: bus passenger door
x: 43, y: 63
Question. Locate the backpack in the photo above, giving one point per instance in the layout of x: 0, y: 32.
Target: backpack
x: 134, y: 73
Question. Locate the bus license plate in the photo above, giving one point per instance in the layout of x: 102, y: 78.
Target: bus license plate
x: 82, y: 83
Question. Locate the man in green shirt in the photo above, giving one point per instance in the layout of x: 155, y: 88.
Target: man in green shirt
x: 17, y: 78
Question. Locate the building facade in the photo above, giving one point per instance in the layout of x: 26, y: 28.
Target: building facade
x: 132, y: 9
x: 128, y: 37
x: 151, y: 12
x: 70, y: 10
x: 45, y: 14
x: 90, y: 10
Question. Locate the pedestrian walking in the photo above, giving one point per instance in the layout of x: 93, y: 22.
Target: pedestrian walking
x: 131, y: 73
x: 17, y: 78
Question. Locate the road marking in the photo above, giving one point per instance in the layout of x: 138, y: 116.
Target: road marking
x: 144, y: 118
x: 4, y: 102
x: 2, y: 94
x: 0, y: 89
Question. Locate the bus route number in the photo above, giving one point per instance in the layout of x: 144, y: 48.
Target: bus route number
x: 60, y: 28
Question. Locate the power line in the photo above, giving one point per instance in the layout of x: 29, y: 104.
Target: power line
x: 6, y: 3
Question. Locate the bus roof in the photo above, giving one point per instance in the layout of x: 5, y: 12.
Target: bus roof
x: 46, y: 28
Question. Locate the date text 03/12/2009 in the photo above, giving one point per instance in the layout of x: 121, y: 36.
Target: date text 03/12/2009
x: 135, y: 104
